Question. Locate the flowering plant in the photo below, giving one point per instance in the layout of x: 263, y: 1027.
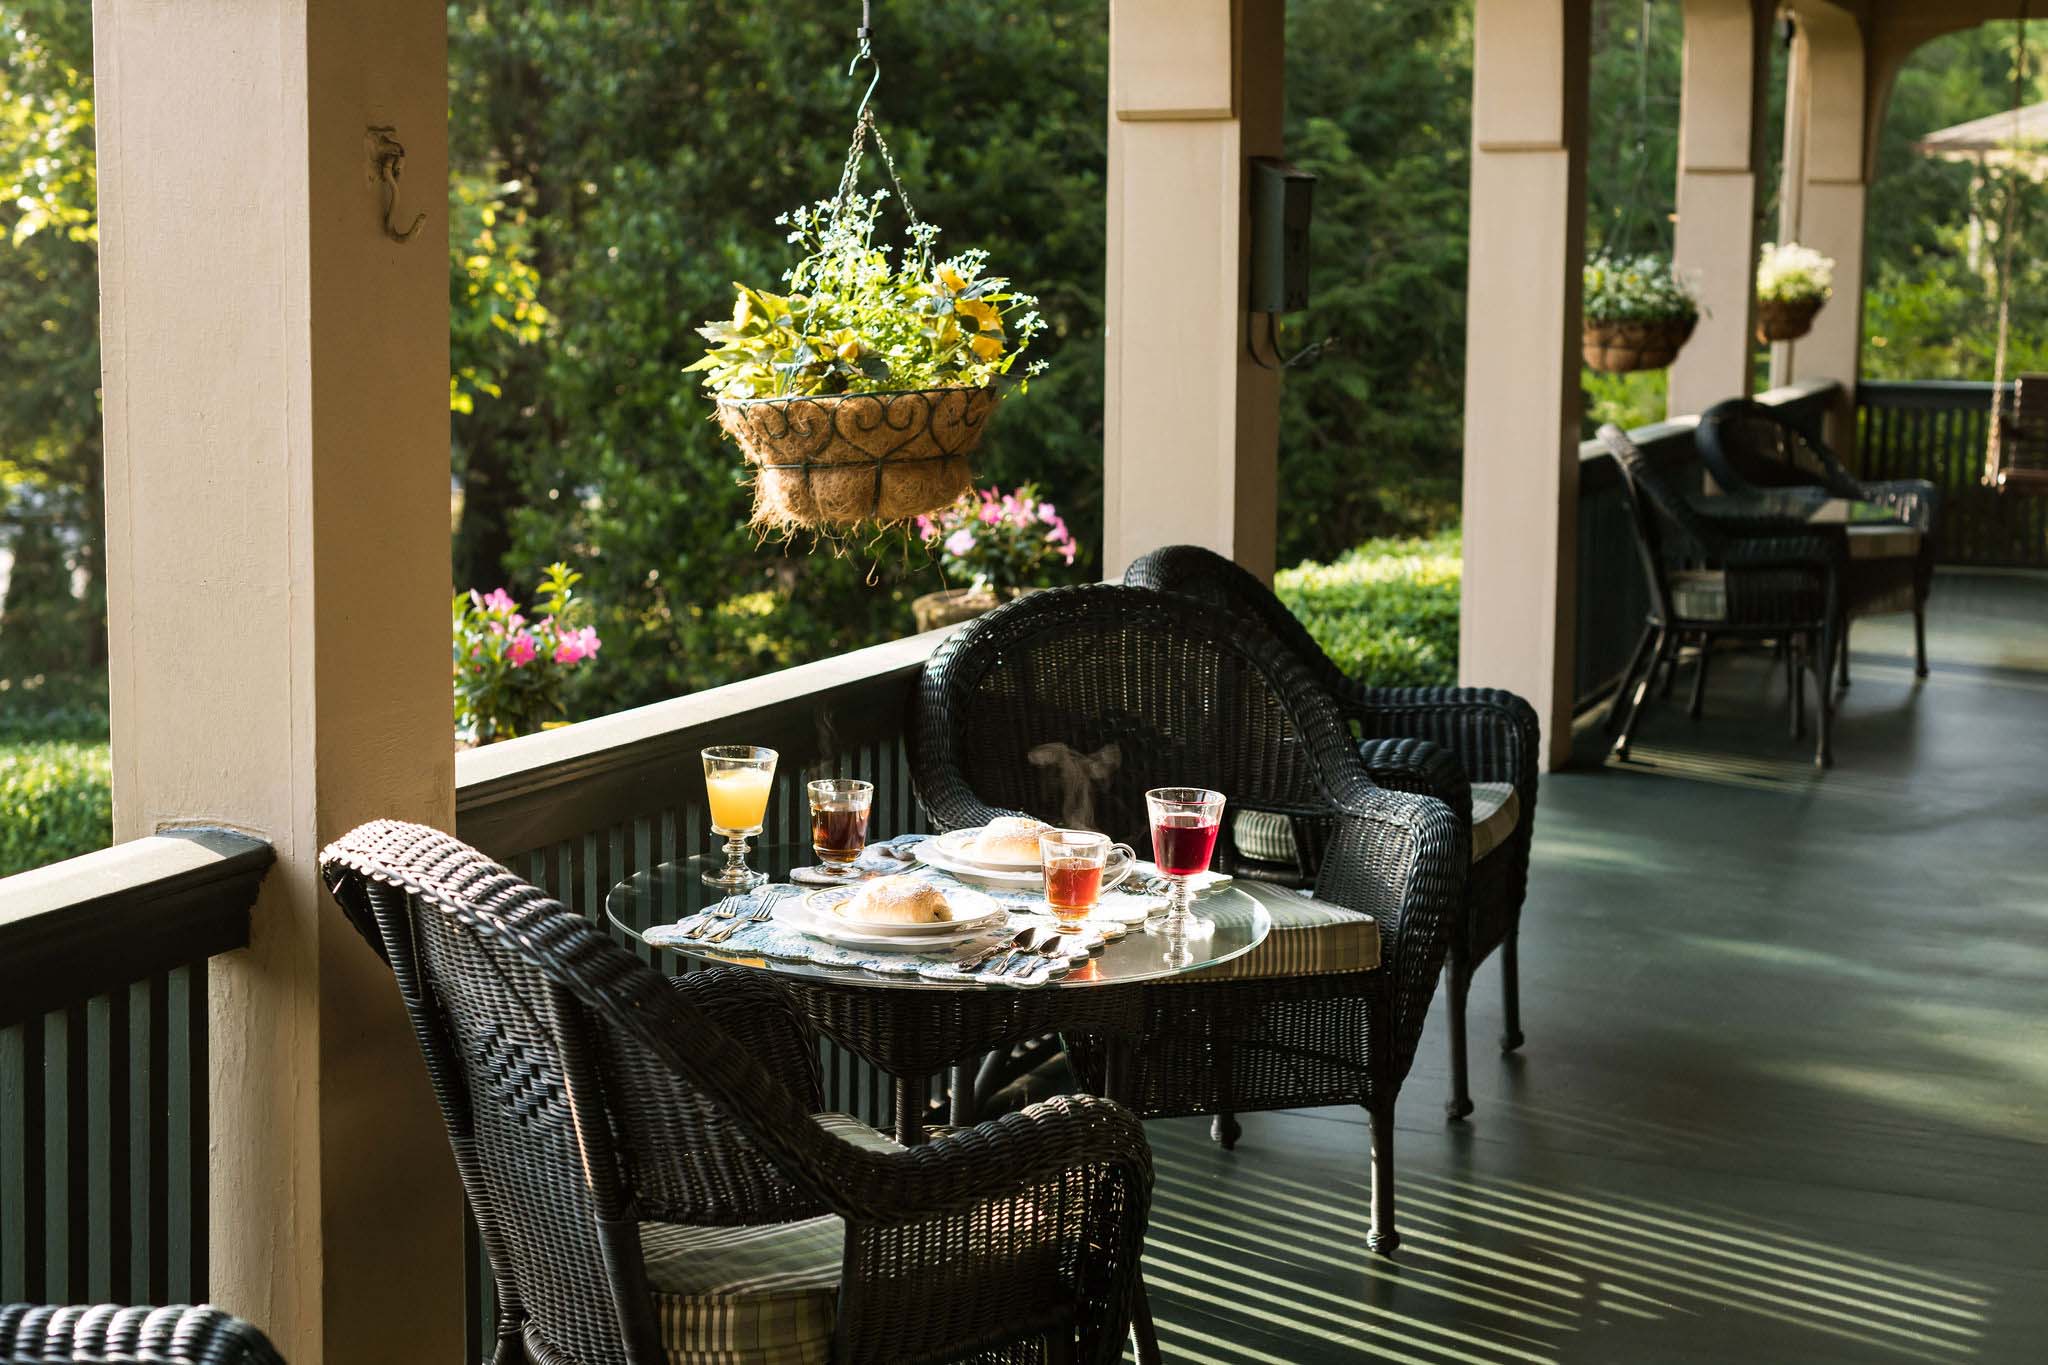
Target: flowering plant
x: 1638, y: 289
x: 853, y: 322
x: 1790, y: 273
x: 999, y: 541
x: 509, y: 671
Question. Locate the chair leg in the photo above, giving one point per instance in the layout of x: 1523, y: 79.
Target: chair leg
x: 1920, y: 640
x: 1673, y: 643
x: 1224, y: 1130
x: 1824, y: 751
x: 1059, y: 1348
x: 1638, y: 694
x: 1699, y: 676
x: 1510, y: 994
x: 1460, y: 973
x: 1795, y: 679
x: 1382, y: 1238
x: 960, y: 1080
x: 1144, y: 1337
x: 1843, y: 645
x: 1619, y: 709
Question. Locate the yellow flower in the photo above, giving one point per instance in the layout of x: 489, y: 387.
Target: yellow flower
x: 742, y: 312
x: 985, y: 316
x: 949, y: 334
x: 950, y: 277
x: 987, y: 347
x: 849, y: 346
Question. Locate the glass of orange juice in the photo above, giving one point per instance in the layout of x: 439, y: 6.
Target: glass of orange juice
x: 737, y: 780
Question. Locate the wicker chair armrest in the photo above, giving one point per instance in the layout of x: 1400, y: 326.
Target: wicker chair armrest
x: 1493, y: 733
x: 201, y: 1335
x: 756, y: 1012
x: 1422, y: 766
x: 963, y: 1170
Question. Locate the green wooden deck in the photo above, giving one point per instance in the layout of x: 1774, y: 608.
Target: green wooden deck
x: 1785, y: 1092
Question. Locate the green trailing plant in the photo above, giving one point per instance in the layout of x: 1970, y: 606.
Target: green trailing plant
x: 853, y: 321
x: 1638, y: 289
x: 509, y: 671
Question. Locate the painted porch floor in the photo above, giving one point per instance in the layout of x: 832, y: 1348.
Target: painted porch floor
x: 1785, y: 1091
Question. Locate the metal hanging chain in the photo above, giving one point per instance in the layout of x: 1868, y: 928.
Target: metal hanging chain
x: 864, y: 125
x: 1994, y: 453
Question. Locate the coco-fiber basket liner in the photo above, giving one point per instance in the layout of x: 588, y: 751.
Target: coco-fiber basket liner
x: 1620, y: 347
x: 1782, y: 320
x: 833, y: 461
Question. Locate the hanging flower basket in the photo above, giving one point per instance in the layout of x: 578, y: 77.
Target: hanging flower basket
x: 1786, y: 319
x: 1641, y: 344
x: 1792, y: 284
x: 835, y: 461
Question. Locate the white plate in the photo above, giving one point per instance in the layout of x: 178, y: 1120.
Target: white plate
x: 832, y: 929
x: 972, y: 913
x: 932, y: 854
x: 958, y: 845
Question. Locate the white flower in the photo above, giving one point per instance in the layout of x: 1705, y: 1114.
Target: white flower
x: 1791, y: 272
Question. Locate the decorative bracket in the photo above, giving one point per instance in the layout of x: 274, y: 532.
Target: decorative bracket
x: 387, y: 163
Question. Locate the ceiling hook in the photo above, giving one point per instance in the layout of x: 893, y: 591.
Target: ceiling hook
x: 387, y: 159
x: 866, y: 34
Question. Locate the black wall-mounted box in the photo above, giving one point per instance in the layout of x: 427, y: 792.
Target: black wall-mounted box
x: 1282, y: 200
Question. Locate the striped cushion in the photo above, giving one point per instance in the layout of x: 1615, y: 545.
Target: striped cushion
x: 1883, y: 542
x: 1700, y: 594
x: 1309, y: 937
x: 751, y: 1295
x: 1269, y: 838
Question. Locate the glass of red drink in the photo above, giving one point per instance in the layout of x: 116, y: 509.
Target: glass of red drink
x: 1079, y: 866
x: 839, y: 825
x: 1185, y: 821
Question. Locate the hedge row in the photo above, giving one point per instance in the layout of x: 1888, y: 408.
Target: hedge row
x: 56, y: 802
x: 1387, y: 611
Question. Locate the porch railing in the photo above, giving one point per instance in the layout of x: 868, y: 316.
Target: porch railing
x: 103, y: 1064
x: 1937, y: 430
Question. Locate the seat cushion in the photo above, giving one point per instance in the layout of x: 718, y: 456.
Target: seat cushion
x: 1883, y: 542
x: 1309, y: 938
x: 751, y: 1295
x: 1266, y: 837
x: 1748, y: 596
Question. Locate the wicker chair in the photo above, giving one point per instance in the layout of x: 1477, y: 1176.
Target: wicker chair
x: 1714, y: 578
x: 1474, y: 749
x: 1750, y: 448
x: 1165, y: 691
x: 33, y: 1334
x: 651, y: 1179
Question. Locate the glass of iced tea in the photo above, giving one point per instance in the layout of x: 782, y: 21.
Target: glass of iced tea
x: 839, y: 825
x: 1079, y: 866
x: 1185, y: 821
x: 737, y: 781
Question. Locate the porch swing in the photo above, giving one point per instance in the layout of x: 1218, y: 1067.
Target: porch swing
x: 2016, y: 450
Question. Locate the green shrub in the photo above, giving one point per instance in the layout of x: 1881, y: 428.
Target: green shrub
x: 53, y: 706
x: 1386, y: 611
x: 56, y: 802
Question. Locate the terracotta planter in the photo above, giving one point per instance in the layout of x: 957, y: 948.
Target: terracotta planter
x: 1785, y: 319
x: 1622, y: 347
x: 834, y: 461
x: 950, y: 607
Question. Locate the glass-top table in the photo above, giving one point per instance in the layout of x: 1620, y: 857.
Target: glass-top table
x: 673, y: 892
x: 914, y: 1027
x: 1813, y: 506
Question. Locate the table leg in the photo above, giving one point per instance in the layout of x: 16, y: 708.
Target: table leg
x: 1116, y: 1080
x: 961, y: 1080
x: 910, y: 1099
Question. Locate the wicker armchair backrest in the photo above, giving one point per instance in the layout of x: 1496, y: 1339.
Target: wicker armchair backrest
x: 525, y: 1015
x: 1666, y: 525
x: 1747, y: 446
x: 1163, y: 689
x: 1193, y: 571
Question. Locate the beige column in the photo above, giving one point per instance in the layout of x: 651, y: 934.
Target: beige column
x: 1721, y: 131
x: 1825, y: 191
x: 277, y: 482
x: 1191, y: 423
x: 1519, y: 619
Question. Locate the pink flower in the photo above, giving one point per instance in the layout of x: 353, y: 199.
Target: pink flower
x: 497, y: 599
x: 1067, y: 551
x: 521, y: 651
x: 590, y: 642
x: 990, y: 512
x: 568, y: 650
x: 1048, y: 513
x: 926, y: 528
x: 960, y: 542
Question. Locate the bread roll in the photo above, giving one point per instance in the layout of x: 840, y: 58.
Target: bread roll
x: 1010, y: 839
x: 898, y: 899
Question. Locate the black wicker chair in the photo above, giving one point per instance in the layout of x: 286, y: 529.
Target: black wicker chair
x: 1715, y: 578
x: 1750, y: 448
x: 651, y: 1179
x: 1474, y: 749
x: 1163, y: 690
x: 35, y: 1334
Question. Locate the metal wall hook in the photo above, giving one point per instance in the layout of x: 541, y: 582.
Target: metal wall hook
x: 387, y: 159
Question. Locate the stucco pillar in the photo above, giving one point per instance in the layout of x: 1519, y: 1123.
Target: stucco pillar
x: 1191, y: 423
x: 1825, y: 190
x: 1518, y: 624
x: 1721, y: 149
x: 276, y: 375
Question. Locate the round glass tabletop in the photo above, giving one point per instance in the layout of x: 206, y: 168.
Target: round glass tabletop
x: 674, y: 891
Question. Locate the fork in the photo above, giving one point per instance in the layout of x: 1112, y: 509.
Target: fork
x: 1052, y: 949
x: 697, y: 925
x: 764, y: 906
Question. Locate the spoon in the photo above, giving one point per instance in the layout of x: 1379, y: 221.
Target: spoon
x: 1021, y: 941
